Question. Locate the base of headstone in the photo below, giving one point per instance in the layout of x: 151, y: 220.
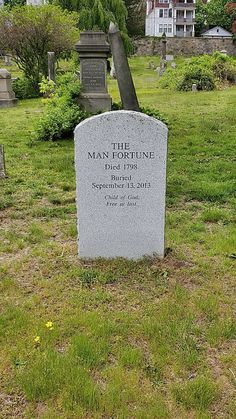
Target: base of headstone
x: 95, y: 102
x: 8, y: 103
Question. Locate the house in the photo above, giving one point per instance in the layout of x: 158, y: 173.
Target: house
x: 35, y: 2
x: 172, y: 17
x: 217, y: 32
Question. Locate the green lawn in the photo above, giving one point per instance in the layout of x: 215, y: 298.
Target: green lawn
x: 148, y: 339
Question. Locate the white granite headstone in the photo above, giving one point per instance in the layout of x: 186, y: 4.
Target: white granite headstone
x: 120, y: 161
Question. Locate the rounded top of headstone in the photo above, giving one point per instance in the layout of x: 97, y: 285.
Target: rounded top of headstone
x: 4, y: 74
x: 123, y: 118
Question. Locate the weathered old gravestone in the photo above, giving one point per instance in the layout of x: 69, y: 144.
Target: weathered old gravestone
x: 128, y: 95
x: 7, y: 96
x: 169, y: 57
x: 93, y: 52
x: 7, y: 60
x: 2, y: 163
x: 51, y: 66
x: 120, y: 161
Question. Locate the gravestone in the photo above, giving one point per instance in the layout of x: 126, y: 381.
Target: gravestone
x: 113, y: 71
x: 120, y: 162
x: 7, y: 96
x: 93, y: 52
x: 169, y: 57
x: 2, y: 163
x: 127, y: 91
x: 51, y: 66
x: 7, y: 60
x: 194, y: 87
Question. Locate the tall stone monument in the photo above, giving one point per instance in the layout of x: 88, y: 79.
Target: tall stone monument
x: 93, y: 53
x: 120, y: 161
x: 7, y: 96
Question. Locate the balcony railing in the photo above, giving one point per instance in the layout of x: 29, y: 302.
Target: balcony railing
x: 180, y: 19
x: 185, y: 5
x: 182, y: 34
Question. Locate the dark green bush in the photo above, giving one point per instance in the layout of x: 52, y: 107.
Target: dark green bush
x: 202, y: 77
x: 25, y: 88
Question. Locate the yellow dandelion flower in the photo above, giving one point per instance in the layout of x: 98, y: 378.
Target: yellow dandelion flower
x: 37, y: 339
x: 49, y: 325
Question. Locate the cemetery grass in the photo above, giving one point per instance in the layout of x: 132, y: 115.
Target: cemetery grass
x: 146, y: 339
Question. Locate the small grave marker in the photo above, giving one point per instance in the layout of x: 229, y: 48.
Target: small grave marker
x: 51, y: 66
x: 2, y: 163
x: 7, y: 96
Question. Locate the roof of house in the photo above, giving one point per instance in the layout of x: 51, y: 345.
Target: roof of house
x: 217, y: 31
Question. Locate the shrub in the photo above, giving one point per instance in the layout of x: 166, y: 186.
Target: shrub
x: 207, y: 72
x: 25, y: 88
x: 62, y: 112
x: 202, y: 77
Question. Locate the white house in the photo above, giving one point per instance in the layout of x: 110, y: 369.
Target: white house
x: 217, y: 32
x: 35, y: 2
x: 172, y: 17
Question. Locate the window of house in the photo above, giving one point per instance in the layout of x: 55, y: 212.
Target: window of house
x: 165, y: 12
x: 161, y: 13
x: 165, y: 28
x: 160, y: 28
x: 169, y: 28
x: 170, y: 12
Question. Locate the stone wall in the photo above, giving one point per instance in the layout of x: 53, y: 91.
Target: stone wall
x: 184, y: 46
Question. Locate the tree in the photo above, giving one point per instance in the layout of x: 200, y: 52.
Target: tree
x: 216, y: 14
x: 201, y: 15
x: 29, y: 32
x: 97, y: 14
x: 136, y: 16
